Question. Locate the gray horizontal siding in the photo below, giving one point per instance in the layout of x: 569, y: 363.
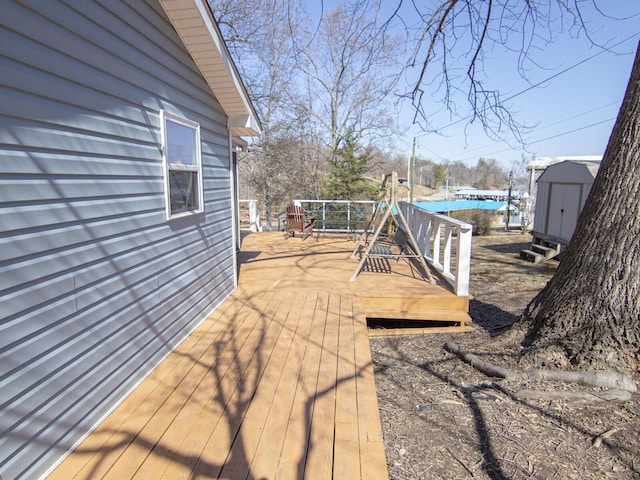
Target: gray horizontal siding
x: 95, y: 285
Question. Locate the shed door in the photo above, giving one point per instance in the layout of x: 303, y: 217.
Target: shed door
x: 564, y: 208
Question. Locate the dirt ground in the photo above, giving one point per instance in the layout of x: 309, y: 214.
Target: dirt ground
x: 443, y: 419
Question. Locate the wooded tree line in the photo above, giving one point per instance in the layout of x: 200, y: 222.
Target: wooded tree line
x: 323, y: 91
x: 326, y: 89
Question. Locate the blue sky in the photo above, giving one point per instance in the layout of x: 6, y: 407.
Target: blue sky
x: 571, y: 114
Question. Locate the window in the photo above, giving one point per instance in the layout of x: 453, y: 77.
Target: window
x: 183, y: 167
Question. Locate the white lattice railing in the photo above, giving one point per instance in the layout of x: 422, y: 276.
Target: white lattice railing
x: 444, y: 242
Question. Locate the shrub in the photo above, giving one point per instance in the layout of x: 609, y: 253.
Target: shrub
x: 482, y: 220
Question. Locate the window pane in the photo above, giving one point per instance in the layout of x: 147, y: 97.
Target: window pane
x: 181, y: 144
x: 183, y: 188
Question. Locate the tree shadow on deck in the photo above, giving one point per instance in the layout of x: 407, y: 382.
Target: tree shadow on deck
x: 226, y: 392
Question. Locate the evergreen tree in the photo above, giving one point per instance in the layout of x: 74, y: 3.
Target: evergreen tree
x: 346, y: 178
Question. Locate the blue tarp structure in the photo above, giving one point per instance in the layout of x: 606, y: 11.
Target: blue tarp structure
x: 456, y: 205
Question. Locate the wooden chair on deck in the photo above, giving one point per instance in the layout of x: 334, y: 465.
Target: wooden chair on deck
x: 297, y: 221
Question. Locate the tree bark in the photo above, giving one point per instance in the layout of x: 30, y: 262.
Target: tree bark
x: 589, y: 312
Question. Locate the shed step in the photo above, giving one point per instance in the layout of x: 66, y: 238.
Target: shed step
x: 532, y: 256
x: 548, y: 252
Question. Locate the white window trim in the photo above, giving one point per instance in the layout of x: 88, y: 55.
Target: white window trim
x: 164, y: 116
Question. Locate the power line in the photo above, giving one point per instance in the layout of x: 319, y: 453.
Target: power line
x: 546, y: 138
x: 548, y: 79
x: 545, y: 127
x: 569, y: 68
x: 573, y: 131
x: 616, y: 102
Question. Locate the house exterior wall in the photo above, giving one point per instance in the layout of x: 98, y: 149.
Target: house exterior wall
x: 96, y: 285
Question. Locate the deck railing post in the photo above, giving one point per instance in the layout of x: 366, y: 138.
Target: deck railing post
x: 419, y: 225
x: 428, y: 252
x: 463, y: 263
x: 324, y: 215
x: 255, y: 224
x: 446, y: 261
x: 437, y: 239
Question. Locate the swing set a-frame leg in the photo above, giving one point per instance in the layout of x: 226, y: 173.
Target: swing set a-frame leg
x: 363, y: 236
x: 414, y: 244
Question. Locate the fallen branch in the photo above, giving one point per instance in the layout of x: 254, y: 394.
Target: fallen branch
x: 621, y: 385
x: 597, y: 441
x: 604, y: 379
x: 573, y: 397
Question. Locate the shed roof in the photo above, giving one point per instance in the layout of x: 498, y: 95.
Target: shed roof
x: 571, y: 171
x: 199, y: 31
x: 541, y: 163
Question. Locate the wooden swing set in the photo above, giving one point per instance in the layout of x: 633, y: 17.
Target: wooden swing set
x: 403, y: 244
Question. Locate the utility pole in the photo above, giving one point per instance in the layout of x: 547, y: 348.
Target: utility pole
x: 412, y: 162
x: 507, y: 214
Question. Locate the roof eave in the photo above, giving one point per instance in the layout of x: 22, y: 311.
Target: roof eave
x: 243, y: 125
x: 194, y: 23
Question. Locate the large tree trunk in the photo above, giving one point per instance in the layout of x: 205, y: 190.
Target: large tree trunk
x: 589, y: 313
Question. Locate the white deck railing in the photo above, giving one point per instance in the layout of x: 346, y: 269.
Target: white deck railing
x: 249, y: 214
x: 444, y: 242
x: 339, y: 215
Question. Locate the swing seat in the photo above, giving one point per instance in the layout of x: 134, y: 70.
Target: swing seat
x: 400, y: 241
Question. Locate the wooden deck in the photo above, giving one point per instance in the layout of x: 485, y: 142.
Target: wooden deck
x: 389, y: 289
x: 276, y: 384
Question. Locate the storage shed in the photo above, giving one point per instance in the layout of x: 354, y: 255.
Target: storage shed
x: 537, y: 166
x: 562, y: 191
x: 118, y: 123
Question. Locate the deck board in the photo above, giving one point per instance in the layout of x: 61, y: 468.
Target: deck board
x: 269, y: 449
x: 293, y: 459
x: 277, y: 383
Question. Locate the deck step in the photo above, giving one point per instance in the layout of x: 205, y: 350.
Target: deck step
x: 383, y: 302
x: 420, y: 314
x: 396, y: 332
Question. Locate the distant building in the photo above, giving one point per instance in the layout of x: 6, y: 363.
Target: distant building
x: 470, y: 193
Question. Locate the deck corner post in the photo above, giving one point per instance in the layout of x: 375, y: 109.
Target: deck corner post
x: 463, y: 264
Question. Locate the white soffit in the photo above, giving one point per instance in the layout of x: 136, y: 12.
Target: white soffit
x: 196, y: 27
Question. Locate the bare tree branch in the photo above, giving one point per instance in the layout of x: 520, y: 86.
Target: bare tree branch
x: 453, y: 36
